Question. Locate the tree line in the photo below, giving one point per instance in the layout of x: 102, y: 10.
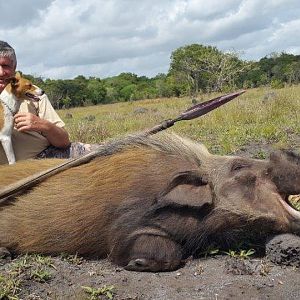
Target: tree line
x: 193, y: 69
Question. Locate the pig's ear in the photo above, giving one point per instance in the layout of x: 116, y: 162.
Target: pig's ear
x: 188, y: 188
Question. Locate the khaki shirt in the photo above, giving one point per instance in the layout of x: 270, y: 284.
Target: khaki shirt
x: 28, y: 144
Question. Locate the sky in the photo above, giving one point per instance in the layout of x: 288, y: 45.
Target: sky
x: 61, y: 39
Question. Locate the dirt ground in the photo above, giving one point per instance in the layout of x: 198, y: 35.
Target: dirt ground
x: 218, y: 277
x: 272, y: 276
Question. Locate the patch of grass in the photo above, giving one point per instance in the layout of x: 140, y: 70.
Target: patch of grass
x: 22, y: 269
x: 72, y: 259
x: 95, y: 293
x: 242, y: 254
x: 40, y: 267
x: 260, y: 154
x: 43, y: 260
x: 210, y: 251
x: 86, y: 133
x: 265, y: 268
x: 247, y: 119
x: 40, y: 275
x: 9, y: 287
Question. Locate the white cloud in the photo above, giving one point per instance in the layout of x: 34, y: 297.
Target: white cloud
x: 65, y: 38
x: 19, y: 12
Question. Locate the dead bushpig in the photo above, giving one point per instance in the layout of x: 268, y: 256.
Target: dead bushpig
x: 148, y: 203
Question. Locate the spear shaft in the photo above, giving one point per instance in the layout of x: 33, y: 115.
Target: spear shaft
x: 191, y: 113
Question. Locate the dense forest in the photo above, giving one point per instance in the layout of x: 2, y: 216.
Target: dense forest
x: 193, y: 69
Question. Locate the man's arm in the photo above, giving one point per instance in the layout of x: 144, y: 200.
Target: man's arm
x: 56, y: 136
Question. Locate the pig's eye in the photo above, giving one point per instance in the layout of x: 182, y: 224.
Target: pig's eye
x: 239, y: 166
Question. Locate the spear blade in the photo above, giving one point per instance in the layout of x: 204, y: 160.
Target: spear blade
x: 195, y: 111
x: 207, y: 106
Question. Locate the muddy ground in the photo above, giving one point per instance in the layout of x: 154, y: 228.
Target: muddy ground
x: 275, y: 275
x: 217, y: 277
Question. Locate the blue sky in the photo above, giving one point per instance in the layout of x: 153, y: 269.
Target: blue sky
x: 65, y: 38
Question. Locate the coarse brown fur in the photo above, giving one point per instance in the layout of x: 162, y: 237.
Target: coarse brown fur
x: 147, y: 202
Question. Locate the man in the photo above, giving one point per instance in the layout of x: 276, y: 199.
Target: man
x: 37, y: 125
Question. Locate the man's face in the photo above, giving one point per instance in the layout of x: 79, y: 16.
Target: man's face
x: 7, y: 70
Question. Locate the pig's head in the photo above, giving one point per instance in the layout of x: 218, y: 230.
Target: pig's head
x: 243, y: 199
x: 256, y: 194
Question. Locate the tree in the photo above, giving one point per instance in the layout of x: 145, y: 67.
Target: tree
x: 283, y: 67
x: 96, y: 91
x: 206, y: 68
x: 74, y: 90
x: 55, y: 91
x: 187, y: 66
x: 164, y: 85
x: 127, y: 92
x: 253, y: 78
x: 292, y: 73
x: 115, y: 86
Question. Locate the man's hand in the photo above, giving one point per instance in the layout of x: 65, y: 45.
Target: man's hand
x: 56, y: 136
x: 28, y: 122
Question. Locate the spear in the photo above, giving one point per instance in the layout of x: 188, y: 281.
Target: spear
x: 191, y: 113
x: 195, y: 111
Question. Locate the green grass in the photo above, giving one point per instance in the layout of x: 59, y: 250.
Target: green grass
x: 242, y: 254
x: 251, y: 118
x: 26, y: 267
x: 73, y: 259
x: 95, y: 293
x: 9, y: 287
